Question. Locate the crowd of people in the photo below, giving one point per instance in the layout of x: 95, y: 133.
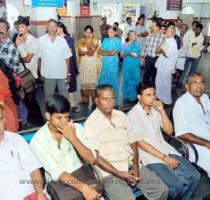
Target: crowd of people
x: 109, y: 139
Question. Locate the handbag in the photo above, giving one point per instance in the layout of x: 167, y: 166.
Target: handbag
x: 86, y: 174
x: 27, y: 80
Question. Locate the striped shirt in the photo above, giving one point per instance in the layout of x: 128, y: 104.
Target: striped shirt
x: 151, y: 44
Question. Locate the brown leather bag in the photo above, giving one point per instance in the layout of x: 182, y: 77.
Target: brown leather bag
x: 27, y: 80
x: 85, y: 174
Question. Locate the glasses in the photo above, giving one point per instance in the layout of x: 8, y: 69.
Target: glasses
x: 197, y: 83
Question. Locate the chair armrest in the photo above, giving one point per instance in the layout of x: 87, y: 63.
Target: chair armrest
x: 178, y: 144
x: 193, y: 148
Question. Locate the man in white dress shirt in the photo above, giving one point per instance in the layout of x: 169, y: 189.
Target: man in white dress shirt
x: 19, y: 168
x: 53, y: 63
x: 191, y: 115
x: 165, y: 65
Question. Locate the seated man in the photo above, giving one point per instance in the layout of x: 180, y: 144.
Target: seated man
x: 146, y: 119
x: 191, y: 115
x: 55, y: 145
x: 109, y: 132
x: 18, y: 167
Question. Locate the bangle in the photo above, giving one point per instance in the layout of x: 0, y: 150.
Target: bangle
x: 163, y: 157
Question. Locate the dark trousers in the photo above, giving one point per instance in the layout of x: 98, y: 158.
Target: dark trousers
x: 149, y: 70
x: 34, y: 112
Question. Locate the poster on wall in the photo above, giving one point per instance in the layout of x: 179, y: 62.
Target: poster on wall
x: 3, y: 10
x: 61, y: 12
x: 48, y: 3
x: 128, y: 10
x: 174, y: 4
x: 85, y: 8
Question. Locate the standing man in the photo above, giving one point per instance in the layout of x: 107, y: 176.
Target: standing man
x: 28, y: 47
x: 149, y: 55
x: 128, y: 26
x: 178, y: 26
x: 3, y: 11
x: 194, y: 52
x: 109, y: 132
x: 19, y: 169
x: 165, y: 66
x: 104, y: 28
x: 141, y: 31
x: 53, y: 62
x: 182, y: 52
x: 8, y: 52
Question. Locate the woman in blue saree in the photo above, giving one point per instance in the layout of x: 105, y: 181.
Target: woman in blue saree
x: 131, y: 67
x: 109, y: 50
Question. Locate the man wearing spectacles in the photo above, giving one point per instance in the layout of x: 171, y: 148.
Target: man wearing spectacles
x: 191, y: 116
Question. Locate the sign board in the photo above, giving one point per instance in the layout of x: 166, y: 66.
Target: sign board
x: 48, y: 3
x: 84, y: 10
x: 174, y: 4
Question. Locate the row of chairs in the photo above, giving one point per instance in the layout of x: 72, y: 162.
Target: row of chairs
x: 202, y: 192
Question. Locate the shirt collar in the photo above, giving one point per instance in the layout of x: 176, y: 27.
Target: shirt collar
x: 142, y: 111
x: 190, y: 96
x: 114, y: 114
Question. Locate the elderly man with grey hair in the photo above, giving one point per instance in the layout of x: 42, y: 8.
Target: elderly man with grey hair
x: 191, y: 116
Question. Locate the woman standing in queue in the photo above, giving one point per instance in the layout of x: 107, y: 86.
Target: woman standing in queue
x: 131, y: 67
x: 110, y: 48
x: 62, y: 31
x: 88, y: 61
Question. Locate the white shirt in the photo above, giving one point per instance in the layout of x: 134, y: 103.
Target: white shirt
x: 148, y: 128
x: 177, y: 31
x: 189, y: 117
x: 127, y: 28
x: 53, y: 56
x: 168, y: 63
x: 182, y: 52
x: 3, y: 12
x: 30, y: 46
x: 16, y: 163
x: 195, y: 50
x: 141, y: 40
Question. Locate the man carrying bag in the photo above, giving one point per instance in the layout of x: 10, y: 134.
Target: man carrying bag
x: 28, y: 47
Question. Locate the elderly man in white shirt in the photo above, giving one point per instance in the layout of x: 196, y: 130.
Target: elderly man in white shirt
x: 19, y: 168
x: 191, y: 115
x: 165, y: 65
x: 146, y: 119
x: 54, y: 61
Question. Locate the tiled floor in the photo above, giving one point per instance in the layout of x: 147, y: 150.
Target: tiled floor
x: 204, y: 67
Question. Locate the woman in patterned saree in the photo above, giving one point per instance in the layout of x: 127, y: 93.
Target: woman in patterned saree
x: 88, y: 61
